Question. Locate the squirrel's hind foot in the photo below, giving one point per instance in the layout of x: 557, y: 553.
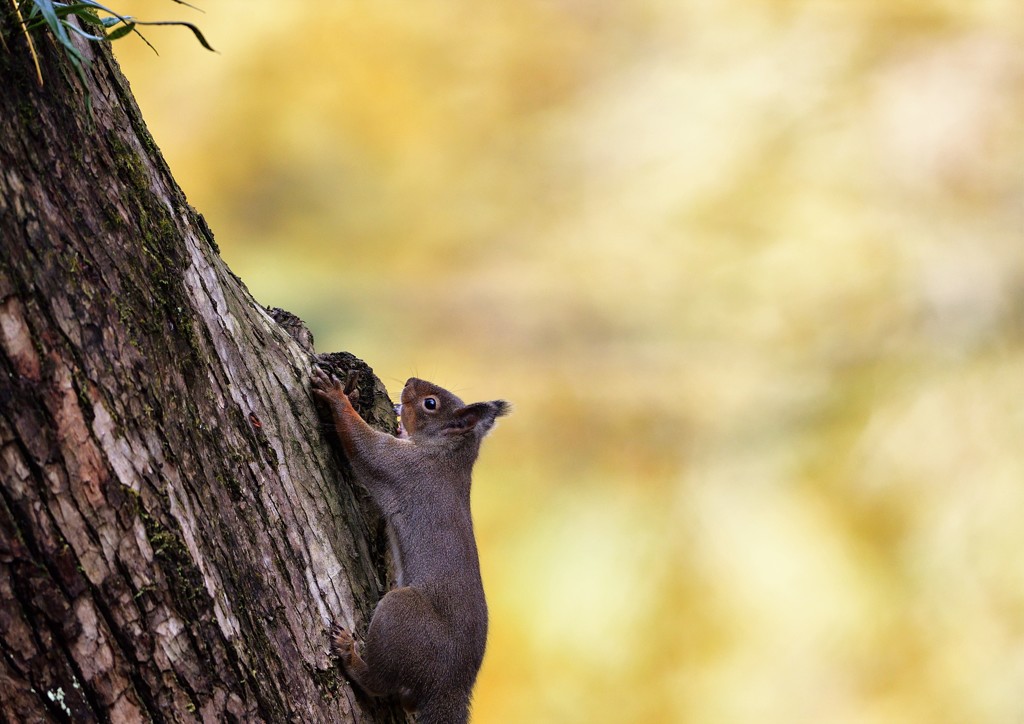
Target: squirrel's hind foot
x: 343, y: 645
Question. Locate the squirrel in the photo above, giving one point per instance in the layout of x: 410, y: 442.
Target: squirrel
x: 426, y: 639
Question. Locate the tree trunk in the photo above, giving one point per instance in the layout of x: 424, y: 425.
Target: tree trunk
x: 175, y: 533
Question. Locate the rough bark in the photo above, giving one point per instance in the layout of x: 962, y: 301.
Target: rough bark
x: 175, y: 533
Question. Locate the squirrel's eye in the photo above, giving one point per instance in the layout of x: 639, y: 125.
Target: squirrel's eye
x: 430, y: 404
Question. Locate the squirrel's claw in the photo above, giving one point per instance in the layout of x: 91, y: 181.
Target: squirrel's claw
x: 351, y: 389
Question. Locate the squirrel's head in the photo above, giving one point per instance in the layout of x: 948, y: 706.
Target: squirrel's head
x: 431, y: 412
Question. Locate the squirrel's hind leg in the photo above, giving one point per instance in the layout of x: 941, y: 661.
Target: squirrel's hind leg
x: 404, y: 645
x: 401, y: 651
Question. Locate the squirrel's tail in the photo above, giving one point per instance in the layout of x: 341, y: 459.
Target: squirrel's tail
x: 444, y: 709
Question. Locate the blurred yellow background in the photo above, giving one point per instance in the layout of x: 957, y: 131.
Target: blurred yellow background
x: 753, y: 275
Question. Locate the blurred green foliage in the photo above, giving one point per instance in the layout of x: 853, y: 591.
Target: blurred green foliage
x: 753, y: 274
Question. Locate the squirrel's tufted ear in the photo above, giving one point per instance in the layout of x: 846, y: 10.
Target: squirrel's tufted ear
x: 479, y: 416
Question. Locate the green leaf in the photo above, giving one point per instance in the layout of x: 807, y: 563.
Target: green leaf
x: 89, y: 17
x: 144, y: 40
x: 190, y: 26
x: 121, y: 32
x: 97, y: 6
x: 63, y: 9
x: 49, y: 13
x: 77, y: 30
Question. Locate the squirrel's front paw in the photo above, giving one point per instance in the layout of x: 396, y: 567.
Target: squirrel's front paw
x: 328, y: 387
x: 323, y: 384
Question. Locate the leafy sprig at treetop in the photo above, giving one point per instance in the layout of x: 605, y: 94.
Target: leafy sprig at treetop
x: 96, y: 23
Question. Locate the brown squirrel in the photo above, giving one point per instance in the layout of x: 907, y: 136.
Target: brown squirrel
x: 426, y: 639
